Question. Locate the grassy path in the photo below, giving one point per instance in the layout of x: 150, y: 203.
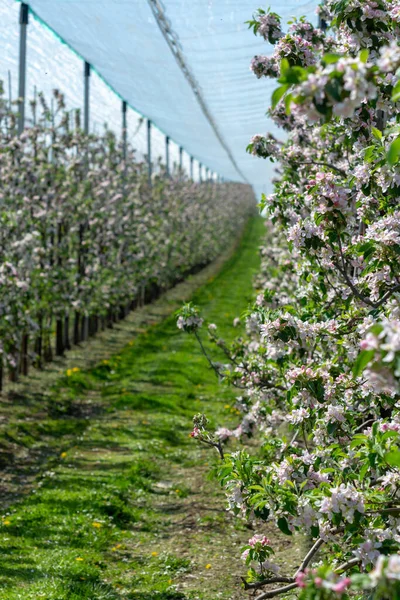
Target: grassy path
x: 117, y: 504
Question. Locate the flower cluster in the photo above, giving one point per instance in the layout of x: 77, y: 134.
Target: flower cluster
x: 264, y: 146
x: 319, y: 583
x: 267, y: 24
x: 296, y: 49
x: 188, y: 318
x: 264, y: 66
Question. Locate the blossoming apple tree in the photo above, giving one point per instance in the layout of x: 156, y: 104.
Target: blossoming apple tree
x: 319, y: 368
x: 83, y: 237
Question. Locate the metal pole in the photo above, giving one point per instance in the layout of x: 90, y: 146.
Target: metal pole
x: 322, y: 24
x: 124, y: 130
x: 191, y: 168
x: 86, y: 76
x: 207, y: 174
x: 180, y: 158
x: 149, y: 150
x: 200, y: 166
x: 9, y: 91
x: 167, y: 155
x: 34, y: 104
x: 23, y: 21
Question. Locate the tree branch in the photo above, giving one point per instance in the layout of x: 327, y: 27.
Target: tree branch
x: 323, y: 164
x: 310, y: 555
x: 292, y: 583
x: 347, y: 565
x: 353, y: 288
x: 258, y: 584
x: 276, y: 591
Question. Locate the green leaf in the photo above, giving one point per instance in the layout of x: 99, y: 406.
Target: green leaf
x: 369, y: 251
x: 288, y: 103
x: 331, y: 58
x: 393, y: 458
x: 278, y: 94
x: 333, y: 89
x: 376, y: 133
x: 396, y: 92
x: 389, y: 434
x: 364, y: 55
x: 283, y: 526
x: 376, y: 329
x: 363, y: 359
x: 357, y: 441
x: 369, y: 153
x: 285, y: 66
x: 394, y: 152
x: 293, y: 75
x: 363, y: 471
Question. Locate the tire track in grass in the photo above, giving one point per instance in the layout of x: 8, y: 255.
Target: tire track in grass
x: 126, y: 510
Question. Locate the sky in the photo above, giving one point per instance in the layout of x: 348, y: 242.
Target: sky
x: 132, y: 60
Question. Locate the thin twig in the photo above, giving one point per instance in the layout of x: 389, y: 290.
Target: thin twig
x: 361, y: 427
x: 216, y: 445
x: 210, y: 362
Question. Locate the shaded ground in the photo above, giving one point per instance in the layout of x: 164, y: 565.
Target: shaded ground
x: 113, y: 496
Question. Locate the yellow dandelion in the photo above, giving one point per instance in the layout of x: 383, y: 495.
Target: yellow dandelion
x: 154, y: 553
x: 208, y: 566
x: 63, y: 454
x: 69, y: 372
x: 75, y: 369
x: 79, y: 559
x: 227, y: 406
x: 169, y: 581
x: 6, y: 522
x: 97, y: 524
x: 177, y: 491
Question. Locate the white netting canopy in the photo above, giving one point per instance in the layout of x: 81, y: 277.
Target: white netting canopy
x: 127, y: 47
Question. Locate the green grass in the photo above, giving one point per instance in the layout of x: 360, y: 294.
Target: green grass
x: 119, y: 504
